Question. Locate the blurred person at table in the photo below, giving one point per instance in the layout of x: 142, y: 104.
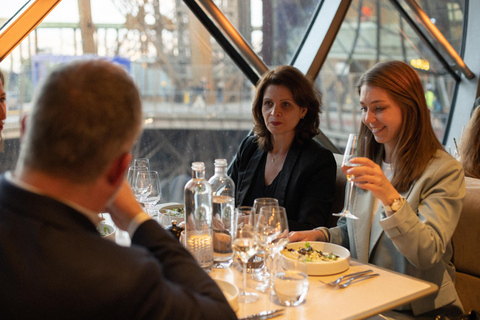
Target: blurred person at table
x: 470, y: 145
x: 282, y: 160
x: 55, y: 264
x: 409, y: 198
x: 3, y: 107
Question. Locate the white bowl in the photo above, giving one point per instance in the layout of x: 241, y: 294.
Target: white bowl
x: 322, y: 268
x: 165, y: 213
x: 230, y: 291
x: 107, y: 230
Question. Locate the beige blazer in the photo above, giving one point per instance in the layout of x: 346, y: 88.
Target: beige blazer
x: 416, y: 240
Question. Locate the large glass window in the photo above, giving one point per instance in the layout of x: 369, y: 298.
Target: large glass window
x: 197, y: 103
x: 274, y: 28
x: 196, y: 100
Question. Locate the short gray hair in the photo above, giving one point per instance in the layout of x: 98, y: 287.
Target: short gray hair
x: 86, y: 114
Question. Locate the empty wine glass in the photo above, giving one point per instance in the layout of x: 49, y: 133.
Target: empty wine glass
x: 140, y: 194
x: 149, y: 180
x: 142, y: 162
x: 351, y: 151
x: 272, y: 233
x: 264, y: 276
x: 244, y: 247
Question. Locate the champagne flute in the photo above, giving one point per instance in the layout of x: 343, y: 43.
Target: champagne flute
x: 149, y: 180
x: 244, y: 246
x: 262, y: 277
x: 351, y: 152
x: 272, y: 234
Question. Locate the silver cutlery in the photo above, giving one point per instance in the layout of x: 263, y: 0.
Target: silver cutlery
x: 264, y: 315
x: 336, y: 282
x: 357, y: 279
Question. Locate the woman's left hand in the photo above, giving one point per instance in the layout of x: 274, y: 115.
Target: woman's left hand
x: 369, y: 176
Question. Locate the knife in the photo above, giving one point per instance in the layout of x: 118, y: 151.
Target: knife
x: 264, y: 315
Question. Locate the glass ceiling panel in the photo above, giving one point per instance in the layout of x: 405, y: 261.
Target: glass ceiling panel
x: 374, y: 31
x: 274, y: 28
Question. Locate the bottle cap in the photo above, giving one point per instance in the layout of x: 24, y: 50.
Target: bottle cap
x: 197, y: 166
x: 221, y: 162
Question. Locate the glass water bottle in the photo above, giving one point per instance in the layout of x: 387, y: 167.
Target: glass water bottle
x: 223, y: 208
x: 198, y: 217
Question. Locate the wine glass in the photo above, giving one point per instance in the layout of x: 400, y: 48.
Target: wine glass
x: 142, y: 162
x: 149, y: 180
x: 140, y: 194
x: 351, y: 151
x: 264, y: 275
x: 244, y: 247
x: 272, y: 233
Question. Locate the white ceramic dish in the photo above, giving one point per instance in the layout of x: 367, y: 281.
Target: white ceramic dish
x: 107, y: 230
x: 230, y: 291
x: 166, y: 208
x: 322, y: 268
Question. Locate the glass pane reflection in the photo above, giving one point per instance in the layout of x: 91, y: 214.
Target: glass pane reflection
x: 374, y: 31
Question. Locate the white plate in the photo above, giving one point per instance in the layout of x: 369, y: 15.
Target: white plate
x: 323, y: 268
x: 230, y: 291
x: 107, y: 230
x: 163, y: 212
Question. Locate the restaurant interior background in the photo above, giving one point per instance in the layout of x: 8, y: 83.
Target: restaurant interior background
x: 197, y: 88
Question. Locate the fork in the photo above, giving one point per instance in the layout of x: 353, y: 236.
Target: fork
x: 336, y: 282
x: 359, y: 278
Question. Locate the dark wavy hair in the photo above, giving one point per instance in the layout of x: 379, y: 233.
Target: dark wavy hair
x: 305, y: 95
x: 416, y: 143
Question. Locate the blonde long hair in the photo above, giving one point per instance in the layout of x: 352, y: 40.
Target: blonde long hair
x: 416, y: 143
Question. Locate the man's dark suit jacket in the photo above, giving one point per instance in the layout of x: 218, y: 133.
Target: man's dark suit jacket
x: 55, y: 265
x: 306, y: 184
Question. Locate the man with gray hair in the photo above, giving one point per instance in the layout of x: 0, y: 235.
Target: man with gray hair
x: 54, y: 263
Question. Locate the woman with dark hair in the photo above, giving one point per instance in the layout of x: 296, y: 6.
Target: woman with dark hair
x: 3, y: 107
x: 470, y: 145
x: 409, y: 197
x: 282, y: 160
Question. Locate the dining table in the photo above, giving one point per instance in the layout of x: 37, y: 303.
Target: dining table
x: 360, y: 300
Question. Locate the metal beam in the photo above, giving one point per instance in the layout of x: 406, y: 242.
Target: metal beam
x: 432, y: 29
x: 24, y: 24
x: 319, y: 37
x: 228, y: 38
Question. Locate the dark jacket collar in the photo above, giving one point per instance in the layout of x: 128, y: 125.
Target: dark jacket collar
x: 41, y: 208
x: 284, y: 175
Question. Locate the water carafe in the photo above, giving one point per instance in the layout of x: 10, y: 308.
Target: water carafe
x: 223, y: 208
x: 198, y: 217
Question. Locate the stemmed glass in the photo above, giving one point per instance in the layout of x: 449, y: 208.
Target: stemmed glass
x: 244, y: 247
x: 272, y: 233
x: 262, y: 277
x: 149, y: 180
x: 142, y: 162
x: 140, y: 194
x: 351, y: 151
